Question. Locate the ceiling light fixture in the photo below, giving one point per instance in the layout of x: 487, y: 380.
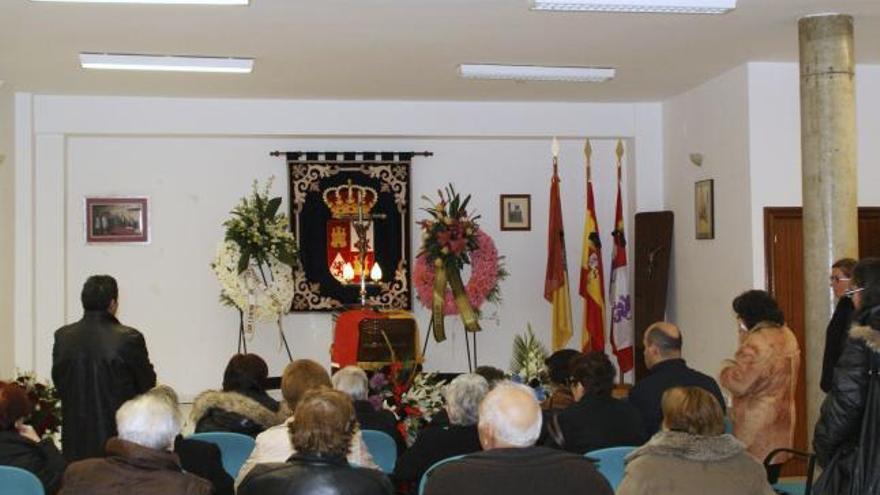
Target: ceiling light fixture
x: 166, y: 2
x: 535, y: 73
x: 639, y: 6
x: 172, y: 63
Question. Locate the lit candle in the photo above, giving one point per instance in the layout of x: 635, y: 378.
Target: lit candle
x: 376, y: 272
x: 347, y: 272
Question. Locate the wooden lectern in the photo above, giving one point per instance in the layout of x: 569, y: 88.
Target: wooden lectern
x: 372, y: 339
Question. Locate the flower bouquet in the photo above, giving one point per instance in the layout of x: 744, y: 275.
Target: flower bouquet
x: 527, y: 364
x: 46, y: 416
x: 414, y: 397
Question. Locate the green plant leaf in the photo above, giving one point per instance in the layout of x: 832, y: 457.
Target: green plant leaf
x: 273, y: 206
x: 244, y: 261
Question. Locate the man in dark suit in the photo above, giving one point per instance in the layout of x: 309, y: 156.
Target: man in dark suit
x: 97, y: 364
x: 663, y: 343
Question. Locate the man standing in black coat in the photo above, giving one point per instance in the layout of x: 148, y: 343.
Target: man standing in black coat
x: 97, y: 364
x: 668, y: 370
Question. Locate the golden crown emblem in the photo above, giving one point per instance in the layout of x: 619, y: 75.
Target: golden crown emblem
x: 343, y: 200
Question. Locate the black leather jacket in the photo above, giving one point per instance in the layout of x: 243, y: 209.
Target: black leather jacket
x: 97, y: 364
x: 310, y: 475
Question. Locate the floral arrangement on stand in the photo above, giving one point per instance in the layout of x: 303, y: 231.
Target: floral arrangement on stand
x: 46, y: 416
x: 254, y: 263
x: 413, y: 396
x: 527, y: 364
x: 452, y: 239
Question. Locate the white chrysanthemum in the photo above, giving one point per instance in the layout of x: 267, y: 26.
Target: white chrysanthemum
x: 271, y: 296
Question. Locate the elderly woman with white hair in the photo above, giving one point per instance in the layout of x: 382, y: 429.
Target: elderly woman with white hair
x: 434, y: 443
x: 353, y: 381
x: 139, y: 460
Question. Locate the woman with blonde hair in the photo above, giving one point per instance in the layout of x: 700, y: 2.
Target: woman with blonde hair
x: 691, y: 454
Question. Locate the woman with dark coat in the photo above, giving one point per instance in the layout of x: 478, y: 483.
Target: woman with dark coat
x: 596, y: 420
x: 836, y: 439
x: 838, y: 328
x: 321, y: 433
x: 19, y: 444
x: 243, y: 406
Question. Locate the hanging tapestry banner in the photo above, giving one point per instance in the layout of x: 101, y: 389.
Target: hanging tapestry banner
x: 327, y: 193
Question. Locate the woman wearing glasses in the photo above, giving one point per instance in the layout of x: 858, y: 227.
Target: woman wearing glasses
x: 838, y: 327
x: 846, y: 436
x: 762, y: 376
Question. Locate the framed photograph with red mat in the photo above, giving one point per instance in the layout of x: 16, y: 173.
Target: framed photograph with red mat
x: 117, y: 220
x: 325, y: 189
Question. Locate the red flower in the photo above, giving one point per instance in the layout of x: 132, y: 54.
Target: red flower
x: 412, y: 411
x: 443, y: 237
x: 458, y: 245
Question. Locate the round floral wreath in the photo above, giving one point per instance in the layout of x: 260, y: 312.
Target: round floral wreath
x: 483, y: 284
x: 248, y: 291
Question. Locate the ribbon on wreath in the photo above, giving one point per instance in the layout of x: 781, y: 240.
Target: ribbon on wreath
x: 451, y: 275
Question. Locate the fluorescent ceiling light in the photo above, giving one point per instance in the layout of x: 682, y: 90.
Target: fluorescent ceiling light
x: 639, y: 6
x: 535, y: 73
x: 114, y: 61
x: 172, y: 2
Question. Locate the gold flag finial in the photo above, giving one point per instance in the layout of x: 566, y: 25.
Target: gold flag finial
x: 619, y: 151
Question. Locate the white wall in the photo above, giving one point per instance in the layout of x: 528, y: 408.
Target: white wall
x: 6, y: 226
x: 711, y: 119
x: 195, y: 158
x: 775, y: 134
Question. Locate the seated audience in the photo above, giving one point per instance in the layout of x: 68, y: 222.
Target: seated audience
x: 353, y: 381
x: 139, y: 461
x: 559, y: 367
x: 242, y: 406
x: 19, y: 444
x: 273, y: 445
x: 511, y: 464
x: 762, y: 377
x: 200, y: 458
x: 596, y: 420
x: 663, y: 343
x: 434, y: 443
x: 692, y: 455
x: 321, y: 433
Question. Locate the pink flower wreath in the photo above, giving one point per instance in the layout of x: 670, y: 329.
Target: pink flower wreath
x: 484, y: 276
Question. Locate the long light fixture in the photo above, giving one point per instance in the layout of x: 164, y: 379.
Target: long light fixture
x: 535, y: 73
x: 639, y: 6
x: 166, y: 2
x: 172, y: 63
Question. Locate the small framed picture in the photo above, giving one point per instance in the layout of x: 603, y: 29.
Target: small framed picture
x: 117, y: 220
x: 704, y: 209
x: 516, y: 212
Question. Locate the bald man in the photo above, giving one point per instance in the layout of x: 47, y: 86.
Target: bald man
x: 510, y: 463
x: 663, y: 357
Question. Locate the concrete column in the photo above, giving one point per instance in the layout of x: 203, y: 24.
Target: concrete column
x: 828, y: 151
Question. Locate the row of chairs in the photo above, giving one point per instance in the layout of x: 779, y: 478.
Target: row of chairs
x: 235, y: 449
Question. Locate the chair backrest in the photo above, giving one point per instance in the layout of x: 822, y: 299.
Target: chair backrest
x: 424, y: 481
x: 234, y: 448
x: 17, y: 481
x: 383, y: 449
x: 610, y: 463
x: 728, y: 425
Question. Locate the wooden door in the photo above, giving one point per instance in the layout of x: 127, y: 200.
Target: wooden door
x: 784, y: 254
x: 653, y: 246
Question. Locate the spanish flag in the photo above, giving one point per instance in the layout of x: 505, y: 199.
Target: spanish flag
x: 592, y: 283
x: 556, y: 280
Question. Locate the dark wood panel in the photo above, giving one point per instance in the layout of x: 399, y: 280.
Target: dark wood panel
x: 653, y: 246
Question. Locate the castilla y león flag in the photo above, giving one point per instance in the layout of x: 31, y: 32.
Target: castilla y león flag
x: 556, y: 280
x: 618, y: 293
x: 592, y: 283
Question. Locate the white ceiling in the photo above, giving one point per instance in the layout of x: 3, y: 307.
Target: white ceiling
x: 402, y: 49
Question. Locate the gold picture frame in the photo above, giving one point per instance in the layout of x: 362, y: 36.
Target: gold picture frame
x: 704, y: 209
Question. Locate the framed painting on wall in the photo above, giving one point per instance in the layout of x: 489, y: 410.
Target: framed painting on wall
x: 704, y: 209
x: 117, y: 220
x: 516, y: 212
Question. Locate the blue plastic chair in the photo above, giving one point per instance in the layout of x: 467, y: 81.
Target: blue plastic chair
x: 383, y: 449
x: 17, y: 481
x: 234, y: 448
x: 610, y: 463
x: 728, y: 425
x: 424, y: 481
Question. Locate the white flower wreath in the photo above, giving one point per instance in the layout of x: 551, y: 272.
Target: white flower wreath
x: 264, y: 300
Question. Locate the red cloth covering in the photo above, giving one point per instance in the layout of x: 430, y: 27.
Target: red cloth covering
x: 346, y: 334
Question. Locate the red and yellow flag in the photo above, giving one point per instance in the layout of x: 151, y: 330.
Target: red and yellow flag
x: 556, y: 280
x: 592, y: 282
